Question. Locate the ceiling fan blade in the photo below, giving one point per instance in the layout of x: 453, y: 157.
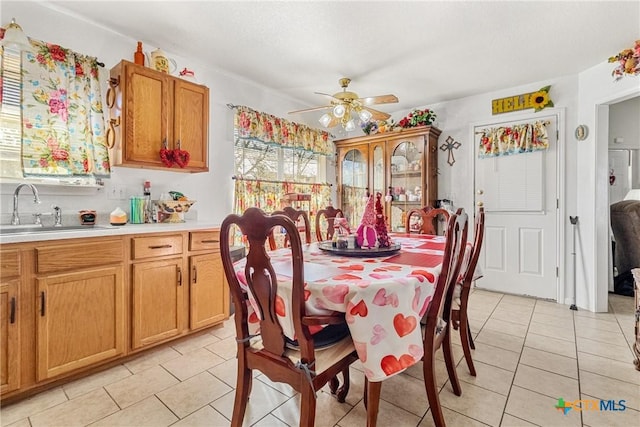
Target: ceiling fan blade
x: 326, y: 94
x: 306, y: 110
x: 381, y: 99
x: 377, y: 115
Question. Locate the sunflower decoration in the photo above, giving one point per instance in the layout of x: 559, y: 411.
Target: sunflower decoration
x: 540, y: 99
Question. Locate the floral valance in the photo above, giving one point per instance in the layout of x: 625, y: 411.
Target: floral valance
x: 63, y: 130
x: 270, y: 129
x: 516, y: 139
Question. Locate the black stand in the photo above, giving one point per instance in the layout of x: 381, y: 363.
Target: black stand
x: 574, y: 222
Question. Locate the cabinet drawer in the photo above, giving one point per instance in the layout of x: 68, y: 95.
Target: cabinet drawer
x: 78, y: 255
x: 147, y: 247
x: 204, y: 240
x: 9, y: 263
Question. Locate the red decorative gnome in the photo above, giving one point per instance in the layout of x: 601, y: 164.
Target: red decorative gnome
x: 381, y: 225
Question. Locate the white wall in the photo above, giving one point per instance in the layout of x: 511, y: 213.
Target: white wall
x: 214, y: 190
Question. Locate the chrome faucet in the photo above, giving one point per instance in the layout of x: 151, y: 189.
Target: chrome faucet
x: 57, y: 216
x: 15, y: 219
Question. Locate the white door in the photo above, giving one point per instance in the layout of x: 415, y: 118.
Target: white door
x: 519, y: 194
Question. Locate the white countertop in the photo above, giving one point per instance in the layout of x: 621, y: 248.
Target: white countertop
x: 105, y: 230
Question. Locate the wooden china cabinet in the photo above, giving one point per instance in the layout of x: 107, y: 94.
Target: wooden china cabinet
x: 402, y: 164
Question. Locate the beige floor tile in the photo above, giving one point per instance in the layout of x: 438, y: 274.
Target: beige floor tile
x: 608, y: 367
x: 31, y: 406
x: 511, y: 317
x: 452, y: 418
x: 498, y: 339
x: 620, y: 418
x: 442, y: 376
x: 225, y: 330
x: 588, y: 324
x: 137, y: 387
x: 549, y: 319
x: 601, y: 316
x: 609, y: 337
x: 456, y: 349
x: 356, y: 386
x: 496, y: 356
x: 518, y: 300
x: 149, y: 412
x: 151, y: 359
x: 92, y: 382
x: 192, y: 394
x: 262, y: 400
x: 270, y: 421
x: 195, y: 342
x: 598, y: 348
x: 20, y: 423
x: 511, y: 421
x: 80, y: 411
x: 205, y: 417
x: 551, y: 362
x: 477, y: 403
x: 547, y: 383
x: 328, y: 410
x: 553, y: 309
x: 192, y: 363
x: 560, y: 332
x: 608, y: 388
x: 388, y: 415
x: 226, y: 348
x: 506, y: 327
x: 550, y: 344
x: 281, y: 387
x: 538, y: 409
x: 407, y: 393
x: 487, y: 376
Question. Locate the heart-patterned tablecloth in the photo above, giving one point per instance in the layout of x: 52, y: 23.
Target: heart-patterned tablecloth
x: 383, y: 300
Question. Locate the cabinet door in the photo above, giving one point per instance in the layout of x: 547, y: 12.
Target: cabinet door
x: 80, y: 319
x: 147, y: 112
x: 209, y: 303
x: 406, y: 179
x: 9, y: 336
x: 191, y: 122
x: 354, y: 182
x: 157, y: 301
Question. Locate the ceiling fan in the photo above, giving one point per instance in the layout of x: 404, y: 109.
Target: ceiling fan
x: 344, y: 103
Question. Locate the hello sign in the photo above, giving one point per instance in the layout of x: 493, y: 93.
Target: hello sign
x: 536, y: 100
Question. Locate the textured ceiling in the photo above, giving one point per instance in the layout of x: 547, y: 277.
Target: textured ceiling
x: 424, y: 52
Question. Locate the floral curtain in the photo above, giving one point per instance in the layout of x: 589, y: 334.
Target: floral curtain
x: 252, y: 124
x: 63, y: 123
x: 517, y: 139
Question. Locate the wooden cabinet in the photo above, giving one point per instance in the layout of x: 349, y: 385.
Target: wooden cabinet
x: 150, y: 110
x: 80, y: 318
x: 209, y: 293
x: 157, y: 289
x: 400, y: 164
x: 9, y: 321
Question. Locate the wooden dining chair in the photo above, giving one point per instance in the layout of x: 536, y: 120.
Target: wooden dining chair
x: 459, y: 315
x: 428, y: 215
x: 306, y: 369
x: 294, y: 215
x: 437, y: 329
x: 329, y: 214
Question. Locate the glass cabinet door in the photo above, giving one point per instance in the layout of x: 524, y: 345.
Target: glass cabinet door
x: 406, y: 183
x: 378, y: 171
x: 354, y: 185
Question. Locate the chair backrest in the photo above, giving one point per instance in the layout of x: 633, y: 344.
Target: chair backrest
x: 261, y: 279
x: 440, y: 305
x: 428, y: 215
x: 470, y: 268
x: 294, y: 215
x: 330, y: 214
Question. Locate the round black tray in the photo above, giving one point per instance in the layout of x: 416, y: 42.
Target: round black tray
x: 360, y: 252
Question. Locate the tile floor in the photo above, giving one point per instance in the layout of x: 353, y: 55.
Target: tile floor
x: 528, y: 354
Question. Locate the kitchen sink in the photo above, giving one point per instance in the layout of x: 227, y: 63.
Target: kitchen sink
x: 32, y: 229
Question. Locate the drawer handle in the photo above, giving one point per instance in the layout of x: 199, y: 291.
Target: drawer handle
x: 195, y: 274
x: 179, y: 277
x: 43, y: 303
x: 12, y: 315
x: 211, y: 241
x: 160, y: 247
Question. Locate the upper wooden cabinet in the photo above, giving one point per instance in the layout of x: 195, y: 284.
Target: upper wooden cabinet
x: 402, y: 164
x: 150, y: 110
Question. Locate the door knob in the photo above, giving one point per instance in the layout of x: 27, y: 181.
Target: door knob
x: 480, y: 204
x: 480, y: 192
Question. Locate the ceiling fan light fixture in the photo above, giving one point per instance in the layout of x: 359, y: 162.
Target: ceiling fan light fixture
x: 365, y: 115
x: 325, y: 120
x: 350, y: 125
x: 14, y: 37
x: 339, y: 110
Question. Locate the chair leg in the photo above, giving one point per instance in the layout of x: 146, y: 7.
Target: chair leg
x: 429, y: 371
x: 472, y: 344
x: 451, y: 366
x: 307, y: 407
x: 372, y: 401
x: 342, y: 392
x: 243, y: 388
x: 333, y: 385
x: 466, y: 340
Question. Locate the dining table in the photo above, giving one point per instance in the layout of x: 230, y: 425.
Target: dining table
x: 383, y: 298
